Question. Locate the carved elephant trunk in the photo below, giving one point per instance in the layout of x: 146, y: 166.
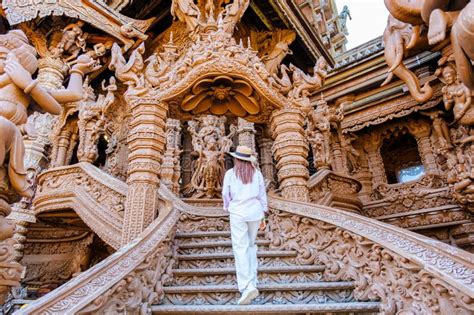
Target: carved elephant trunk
x: 462, y: 40
x: 396, y: 38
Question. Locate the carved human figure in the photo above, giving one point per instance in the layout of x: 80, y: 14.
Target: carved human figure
x: 73, y: 41
x: 353, y: 156
x: 280, y: 49
x: 233, y: 13
x: 319, y: 136
x: 210, y: 145
x: 345, y: 13
x: 17, y: 64
x: 440, y: 128
x: 459, y: 175
x: 159, y: 65
x: 457, y: 96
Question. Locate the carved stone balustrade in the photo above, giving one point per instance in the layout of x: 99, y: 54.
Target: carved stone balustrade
x: 421, y: 205
x: 402, y: 270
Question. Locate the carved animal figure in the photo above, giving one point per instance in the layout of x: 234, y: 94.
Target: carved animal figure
x: 440, y: 16
x: 397, y: 38
x: 128, y: 72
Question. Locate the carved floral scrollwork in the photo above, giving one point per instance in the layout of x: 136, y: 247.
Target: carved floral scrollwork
x: 141, y: 288
x: 403, y: 286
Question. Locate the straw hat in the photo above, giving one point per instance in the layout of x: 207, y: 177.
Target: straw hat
x: 243, y: 153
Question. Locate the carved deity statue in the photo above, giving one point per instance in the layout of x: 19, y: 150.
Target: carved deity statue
x: 352, y: 155
x: 210, y: 144
x: 196, y: 15
x: 319, y: 134
x: 186, y: 11
x: 278, y: 49
x: 17, y: 64
x: 159, y: 65
x: 73, y: 41
x: 457, y: 96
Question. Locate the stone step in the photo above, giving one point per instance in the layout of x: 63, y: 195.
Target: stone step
x: 220, y: 246
x: 223, y: 271
x: 181, y: 235
x: 207, y: 237
x: 226, y: 259
x: 266, y: 274
x: 260, y: 254
x: 217, y: 243
x: 274, y: 293
x: 288, y: 309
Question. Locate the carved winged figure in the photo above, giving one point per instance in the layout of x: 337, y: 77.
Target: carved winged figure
x: 129, y: 72
x: 283, y: 84
x: 303, y: 84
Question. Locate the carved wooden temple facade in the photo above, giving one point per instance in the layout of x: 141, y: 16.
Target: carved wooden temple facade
x: 112, y: 165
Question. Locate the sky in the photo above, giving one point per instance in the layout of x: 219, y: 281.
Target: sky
x: 369, y: 18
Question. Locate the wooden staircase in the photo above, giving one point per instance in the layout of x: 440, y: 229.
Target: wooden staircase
x: 204, y: 282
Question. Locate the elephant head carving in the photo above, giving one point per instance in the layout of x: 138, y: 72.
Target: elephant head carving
x: 439, y: 17
x: 398, y: 38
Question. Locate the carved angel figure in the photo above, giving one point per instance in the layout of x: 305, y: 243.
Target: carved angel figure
x: 129, y: 72
x: 17, y: 64
x: 210, y: 145
x: 303, y: 84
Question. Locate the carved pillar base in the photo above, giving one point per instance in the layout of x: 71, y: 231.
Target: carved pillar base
x: 290, y: 150
x: 146, y: 146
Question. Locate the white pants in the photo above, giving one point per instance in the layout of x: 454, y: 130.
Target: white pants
x: 244, y: 235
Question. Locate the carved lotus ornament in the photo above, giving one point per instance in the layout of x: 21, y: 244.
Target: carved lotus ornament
x: 220, y: 95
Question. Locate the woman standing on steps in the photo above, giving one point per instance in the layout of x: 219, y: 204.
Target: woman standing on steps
x: 245, y: 199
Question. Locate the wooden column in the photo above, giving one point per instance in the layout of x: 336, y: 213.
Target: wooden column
x: 290, y: 150
x: 146, y: 143
x: 372, y: 144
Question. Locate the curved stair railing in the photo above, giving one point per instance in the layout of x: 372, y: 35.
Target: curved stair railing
x: 129, y: 281
x: 407, y: 272
x: 96, y: 197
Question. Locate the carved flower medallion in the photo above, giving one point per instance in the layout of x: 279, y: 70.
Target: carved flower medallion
x: 220, y: 95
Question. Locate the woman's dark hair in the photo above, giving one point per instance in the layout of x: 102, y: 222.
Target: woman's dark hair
x: 244, y: 170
